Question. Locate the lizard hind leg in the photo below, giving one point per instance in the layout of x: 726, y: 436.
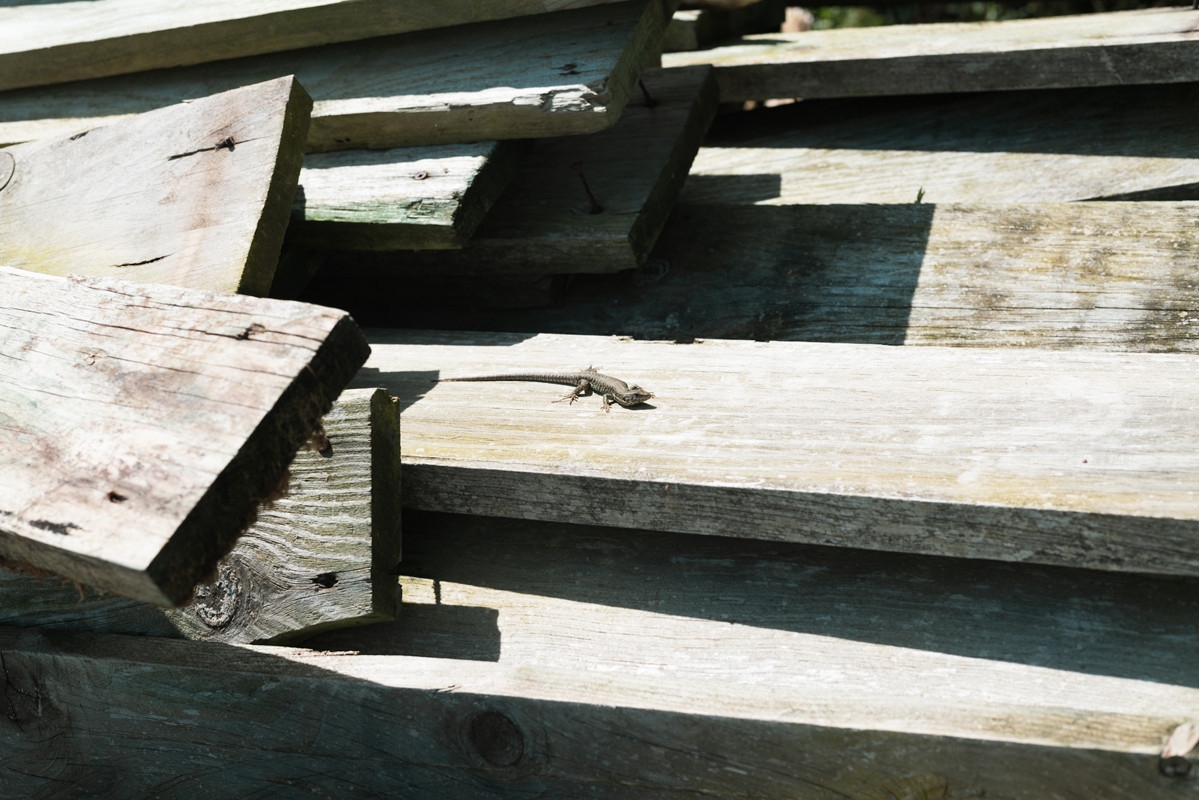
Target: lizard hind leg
x: 583, y: 389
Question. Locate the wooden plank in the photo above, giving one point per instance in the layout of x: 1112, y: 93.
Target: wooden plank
x: 542, y: 223
x: 146, y: 423
x: 1056, y: 457
x: 1156, y: 45
x: 715, y: 668
x: 668, y: 607
x: 321, y: 557
x: 546, y: 75
x: 1036, y: 146
x: 54, y: 42
x: 406, y: 198
x: 1105, y: 276
x: 196, y: 194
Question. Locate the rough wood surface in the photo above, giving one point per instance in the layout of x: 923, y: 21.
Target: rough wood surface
x: 143, y: 424
x: 547, y: 75
x: 563, y: 661
x: 196, y: 194
x: 52, y: 42
x: 1155, y: 45
x: 1106, y: 276
x: 407, y: 198
x: 1059, y: 457
x: 543, y: 221
x: 1016, y: 147
x: 321, y: 557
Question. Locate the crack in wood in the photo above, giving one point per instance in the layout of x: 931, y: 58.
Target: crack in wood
x: 140, y: 263
x: 61, y: 528
x: 10, y: 689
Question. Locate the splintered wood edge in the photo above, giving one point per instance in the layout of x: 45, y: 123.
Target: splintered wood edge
x: 259, y: 469
x: 224, y: 37
x: 265, y: 245
x: 386, y: 526
x: 644, y: 232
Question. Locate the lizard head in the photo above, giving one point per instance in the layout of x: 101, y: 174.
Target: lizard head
x: 633, y: 396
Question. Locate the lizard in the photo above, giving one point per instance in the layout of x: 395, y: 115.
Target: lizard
x: 585, y: 381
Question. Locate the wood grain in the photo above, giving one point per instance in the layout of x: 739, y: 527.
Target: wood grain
x: 53, y: 42
x: 1155, y: 45
x: 542, y: 222
x: 1101, y: 276
x: 595, y: 699
x: 320, y: 558
x: 407, y: 198
x: 546, y: 75
x: 1059, y: 457
x: 1003, y: 147
x: 195, y: 194
x: 146, y: 423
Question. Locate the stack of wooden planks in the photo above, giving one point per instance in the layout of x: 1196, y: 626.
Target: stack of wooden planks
x: 911, y: 513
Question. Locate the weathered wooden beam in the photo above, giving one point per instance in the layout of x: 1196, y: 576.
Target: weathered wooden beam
x: 53, y: 42
x: 1155, y: 45
x: 1014, y: 147
x: 574, y: 660
x: 322, y: 557
x: 1107, y: 276
x: 1102, y: 276
x: 142, y: 425
x: 407, y: 198
x: 585, y: 203
x: 1074, y: 458
x: 546, y: 75
x: 195, y: 194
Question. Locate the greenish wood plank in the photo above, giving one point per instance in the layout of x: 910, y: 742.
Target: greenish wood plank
x: 545, y: 75
x: 194, y: 194
x: 320, y: 557
x: 144, y: 423
x: 1156, y: 45
x: 542, y: 223
x: 408, y: 198
x: 53, y: 42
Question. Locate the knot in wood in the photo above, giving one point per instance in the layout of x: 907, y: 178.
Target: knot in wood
x: 496, y: 739
x: 216, y: 604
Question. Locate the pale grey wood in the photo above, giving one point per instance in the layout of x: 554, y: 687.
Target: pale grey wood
x: 1060, y: 457
x: 407, y: 198
x: 43, y: 43
x: 195, y: 194
x: 594, y: 699
x: 144, y: 424
x: 1077, y: 621
x: 545, y: 75
x: 543, y: 221
x: 319, y: 558
x: 1101, y: 276
x: 1156, y: 45
x: 1035, y: 146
